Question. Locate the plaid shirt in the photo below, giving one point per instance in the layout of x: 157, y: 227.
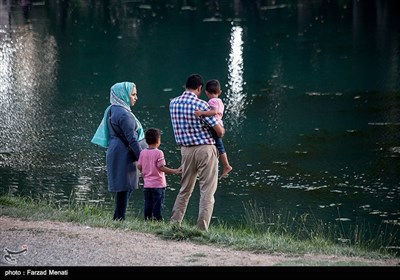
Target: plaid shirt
x: 190, y: 130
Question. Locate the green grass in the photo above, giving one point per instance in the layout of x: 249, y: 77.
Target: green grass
x: 259, y: 232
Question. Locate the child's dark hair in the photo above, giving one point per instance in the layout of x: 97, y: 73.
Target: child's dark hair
x: 213, y: 86
x: 152, y: 135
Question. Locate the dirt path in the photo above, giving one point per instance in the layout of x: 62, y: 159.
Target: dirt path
x: 49, y: 243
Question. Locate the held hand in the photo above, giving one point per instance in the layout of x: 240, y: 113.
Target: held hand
x: 198, y: 113
x: 178, y: 170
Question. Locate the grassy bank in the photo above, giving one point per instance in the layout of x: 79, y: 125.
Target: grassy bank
x: 258, y: 232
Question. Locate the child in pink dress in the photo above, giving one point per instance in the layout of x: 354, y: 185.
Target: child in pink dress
x: 152, y: 164
x: 213, y: 91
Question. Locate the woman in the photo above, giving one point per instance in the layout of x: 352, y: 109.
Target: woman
x: 120, y: 131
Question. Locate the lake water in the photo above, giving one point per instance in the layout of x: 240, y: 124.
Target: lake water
x: 312, y: 94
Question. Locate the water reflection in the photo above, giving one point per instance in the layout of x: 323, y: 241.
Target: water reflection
x: 83, y: 192
x: 26, y: 8
x: 312, y: 96
x: 388, y: 44
x: 235, y: 96
x: 28, y: 74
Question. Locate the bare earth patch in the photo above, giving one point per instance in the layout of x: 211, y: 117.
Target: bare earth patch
x: 67, y: 244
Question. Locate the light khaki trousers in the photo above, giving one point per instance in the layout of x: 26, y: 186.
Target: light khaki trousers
x: 201, y: 161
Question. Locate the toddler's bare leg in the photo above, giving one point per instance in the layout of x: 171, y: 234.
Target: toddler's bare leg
x: 225, y: 162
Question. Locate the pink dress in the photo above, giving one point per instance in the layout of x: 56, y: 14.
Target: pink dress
x: 217, y: 104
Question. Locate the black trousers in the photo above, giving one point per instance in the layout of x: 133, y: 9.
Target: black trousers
x: 121, y: 203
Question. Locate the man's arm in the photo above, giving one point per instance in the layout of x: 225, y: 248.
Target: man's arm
x: 219, y: 129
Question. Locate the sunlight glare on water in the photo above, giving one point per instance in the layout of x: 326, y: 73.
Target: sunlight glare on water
x: 235, y: 96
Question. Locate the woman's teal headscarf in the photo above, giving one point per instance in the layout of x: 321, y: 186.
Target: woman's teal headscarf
x: 119, y: 95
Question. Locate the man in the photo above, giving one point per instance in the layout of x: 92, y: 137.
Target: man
x: 198, y: 151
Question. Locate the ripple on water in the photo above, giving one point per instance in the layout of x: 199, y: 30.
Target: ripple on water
x: 343, y: 219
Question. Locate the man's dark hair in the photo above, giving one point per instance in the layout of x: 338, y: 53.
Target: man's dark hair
x: 194, y: 81
x: 152, y: 135
x: 213, y: 86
